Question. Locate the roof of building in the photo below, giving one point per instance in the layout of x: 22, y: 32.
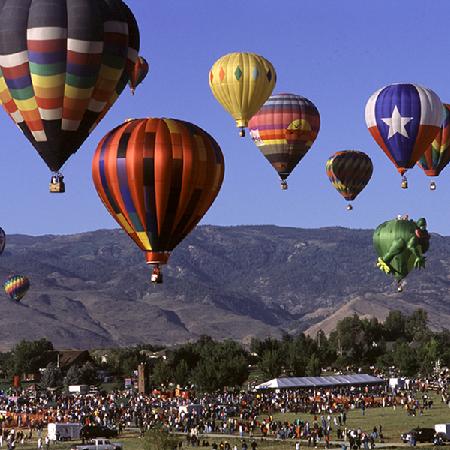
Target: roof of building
x: 307, y: 382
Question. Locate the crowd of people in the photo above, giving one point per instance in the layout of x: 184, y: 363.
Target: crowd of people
x: 247, y: 415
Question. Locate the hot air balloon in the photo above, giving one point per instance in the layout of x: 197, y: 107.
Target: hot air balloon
x: 16, y: 286
x: 138, y: 74
x: 400, y: 245
x: 63, y: 65
x: 404, y: 119
x: 349, y: 172
x: 437, y: 155
x: 157, y: 178
x: 2, y: 240
x: 284, y: 129
x: 241, y: 83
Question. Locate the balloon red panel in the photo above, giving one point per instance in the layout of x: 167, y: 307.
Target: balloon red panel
x: 157, y: 178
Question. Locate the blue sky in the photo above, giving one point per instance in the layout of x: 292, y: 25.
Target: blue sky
x: 336, y: 53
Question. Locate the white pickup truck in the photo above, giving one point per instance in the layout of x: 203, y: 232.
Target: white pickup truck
x: 99, y: 444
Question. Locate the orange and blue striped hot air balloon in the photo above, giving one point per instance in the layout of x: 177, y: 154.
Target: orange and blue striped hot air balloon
x: 437, y: 155
x: 16, y: 286
x: 284, y: 129
x: 157, y: 178
x: 349, y: 172
x: 139, y: 73
x: 63, y: 64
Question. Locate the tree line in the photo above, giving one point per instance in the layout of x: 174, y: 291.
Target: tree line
x: 402, y: 345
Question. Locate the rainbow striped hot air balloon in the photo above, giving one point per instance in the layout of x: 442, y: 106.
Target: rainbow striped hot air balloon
x: 404, y: 119
x: 63, y: 64
x: 16, y: 286
x: 284, y: 129
x: 349, y: 172
x: 157, y: 178
x: 437, y: 155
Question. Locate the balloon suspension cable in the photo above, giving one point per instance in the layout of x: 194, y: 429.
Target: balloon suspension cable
x: 404, y: 183
x: 349, y: 207
x: 242, y: 132
x: 432, y: 186
x: 284, y: 185
x: 399, y: 287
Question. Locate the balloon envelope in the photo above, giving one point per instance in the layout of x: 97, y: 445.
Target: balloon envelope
x: 241, y: 83
x: 349, y: 171
x: 139, y: 73
x: 2, y: 240
x: 284, y: 129
x: 404, y: 119
x: 63, y: 64
x: 400, y: 244
x: 16, y: 286
x: 157, y: 178
x: 437, y: 155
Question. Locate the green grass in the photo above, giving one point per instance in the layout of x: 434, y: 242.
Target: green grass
x: 394, y: 422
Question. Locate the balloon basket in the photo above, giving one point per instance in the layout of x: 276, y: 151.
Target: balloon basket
x: 242, y: 132
x: 399, y: 287
x: 157, y: 276
x: 432, y: 186
x: 349, y: 207
x: 284, y: 185
x: 404, y: 184
x: 57, y: 185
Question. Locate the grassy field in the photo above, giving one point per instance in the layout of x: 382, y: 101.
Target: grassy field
x: 394, y: 422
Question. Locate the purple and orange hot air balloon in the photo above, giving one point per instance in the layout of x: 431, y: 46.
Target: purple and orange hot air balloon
x: 284, y: 129
x: 157, y: 178
x: 437, y: 155
x: 404, y: 119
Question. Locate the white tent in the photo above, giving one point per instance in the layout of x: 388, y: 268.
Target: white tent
x: 311, y: 382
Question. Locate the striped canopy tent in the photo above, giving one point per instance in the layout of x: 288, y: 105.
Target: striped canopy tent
x: 313, y: 382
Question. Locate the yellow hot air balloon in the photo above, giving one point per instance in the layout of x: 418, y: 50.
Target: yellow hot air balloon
x: 241, y: 83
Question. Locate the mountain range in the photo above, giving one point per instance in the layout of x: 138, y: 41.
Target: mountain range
x: 93, y: 290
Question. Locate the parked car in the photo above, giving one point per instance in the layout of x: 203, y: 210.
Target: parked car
x: 421, y: 434
x: 95, y: 431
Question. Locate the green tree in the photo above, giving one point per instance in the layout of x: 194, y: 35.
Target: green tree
x: 313, y: 368
x: 162, y: 373
x: 271, y: 363
x: 73, y: 376
x: 405, y: 358
x: 394, y: 326
x: 51, y: 377
x: 30, y: 356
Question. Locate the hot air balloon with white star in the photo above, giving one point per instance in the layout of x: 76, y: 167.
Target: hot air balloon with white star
x: 404, y: 119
